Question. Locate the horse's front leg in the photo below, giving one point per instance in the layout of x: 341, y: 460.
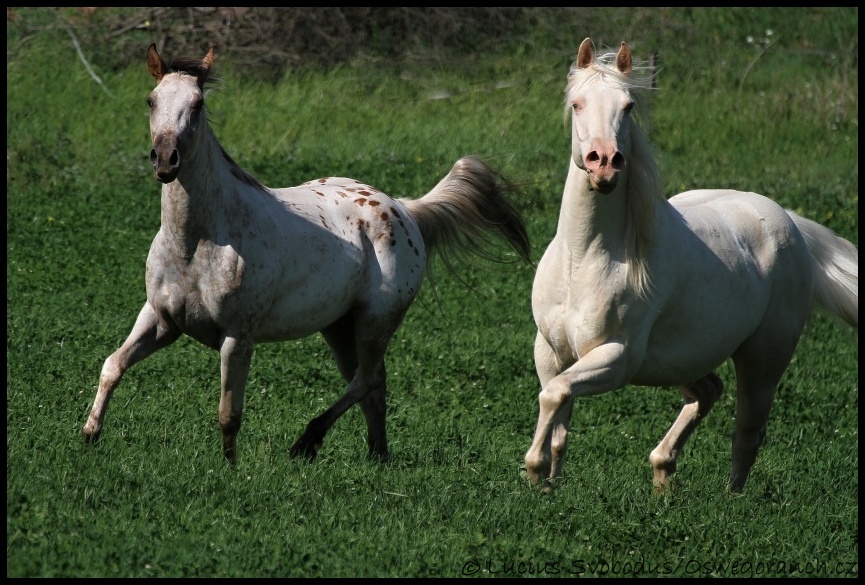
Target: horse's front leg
x: 235, y: 355
x: 599, y: 371
x: 146, y: 337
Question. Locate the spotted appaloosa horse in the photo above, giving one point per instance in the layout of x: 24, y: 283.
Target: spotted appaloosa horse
x: 637, y: 289
x: 237, y: 263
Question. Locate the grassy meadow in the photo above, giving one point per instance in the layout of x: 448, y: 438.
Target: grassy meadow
x: 762, y: 100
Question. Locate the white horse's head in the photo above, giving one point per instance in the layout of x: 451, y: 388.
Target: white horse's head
x: 176, y: 110
x: 599, y: 101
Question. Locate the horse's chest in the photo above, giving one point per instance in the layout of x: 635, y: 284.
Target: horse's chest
x: 200, y: 296
x: 577, y: 304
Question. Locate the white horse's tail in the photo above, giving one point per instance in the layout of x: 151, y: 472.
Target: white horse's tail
x: 836, y: 263
x: 466, y: 211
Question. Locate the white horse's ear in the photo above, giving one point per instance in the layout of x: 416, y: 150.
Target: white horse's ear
x: 155, y: 64
x: 624, y: 62
x: 586, y: 54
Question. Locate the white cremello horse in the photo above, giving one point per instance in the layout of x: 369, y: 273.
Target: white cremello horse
x: 637, y: 289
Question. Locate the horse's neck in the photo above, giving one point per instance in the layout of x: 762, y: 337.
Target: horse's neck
x: 591, y: 222
x: 194, y: 204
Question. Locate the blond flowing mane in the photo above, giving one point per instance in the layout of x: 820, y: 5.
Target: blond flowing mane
x: 644, y: 176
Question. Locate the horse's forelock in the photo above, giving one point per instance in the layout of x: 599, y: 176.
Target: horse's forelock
x: 193, y: 67
x: 639, y: 82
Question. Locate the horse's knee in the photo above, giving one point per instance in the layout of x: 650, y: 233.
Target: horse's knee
x: 554, y: 395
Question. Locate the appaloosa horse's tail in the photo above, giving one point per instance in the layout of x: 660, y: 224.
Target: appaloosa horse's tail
x: 466, y: 211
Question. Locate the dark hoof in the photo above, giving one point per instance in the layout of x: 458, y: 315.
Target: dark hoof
x: 378, y: 456
x: 304, y: 449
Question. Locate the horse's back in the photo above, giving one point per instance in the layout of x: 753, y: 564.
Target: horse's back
x: 744, y: 225
x: 370, y: 235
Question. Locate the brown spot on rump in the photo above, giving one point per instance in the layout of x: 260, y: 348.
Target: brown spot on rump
x: 342, y: 194
x: 384, y: 216
x: 373, y: 203
x: 360, y: 201
x: 323, y: 180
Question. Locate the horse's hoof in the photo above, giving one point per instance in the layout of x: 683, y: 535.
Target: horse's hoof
x: 90, y: 436
x: 304, y: 450
x: 378, y: 456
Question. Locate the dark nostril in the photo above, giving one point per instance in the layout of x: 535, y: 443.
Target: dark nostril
x: 618, y: 160
x: 153, y: 158
x: 175, y: 158
x: 592, y: 156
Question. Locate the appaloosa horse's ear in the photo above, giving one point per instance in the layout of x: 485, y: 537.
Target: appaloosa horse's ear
x: 207, y: 62
x: 624, y: 62
x: 155, y: 64
x: 586, y: 54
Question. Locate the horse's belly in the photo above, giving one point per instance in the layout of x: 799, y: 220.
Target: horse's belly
x: 306, y: 311
x: 684, y: 345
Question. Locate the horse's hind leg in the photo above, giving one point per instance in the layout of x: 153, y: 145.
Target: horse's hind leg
x: 699, y: 396
x: 341, y: 339
x: 145, y: 338
x: 367, y: 387
x: 754, y: 396
x: 760, y: 362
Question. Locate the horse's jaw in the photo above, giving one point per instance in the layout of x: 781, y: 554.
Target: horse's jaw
x: 605, y: 186
x: 165, y: 178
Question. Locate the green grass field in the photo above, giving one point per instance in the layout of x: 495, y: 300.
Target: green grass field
x: 154, y: 498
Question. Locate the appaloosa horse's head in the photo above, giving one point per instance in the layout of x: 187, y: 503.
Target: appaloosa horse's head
x: 176, y: 110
